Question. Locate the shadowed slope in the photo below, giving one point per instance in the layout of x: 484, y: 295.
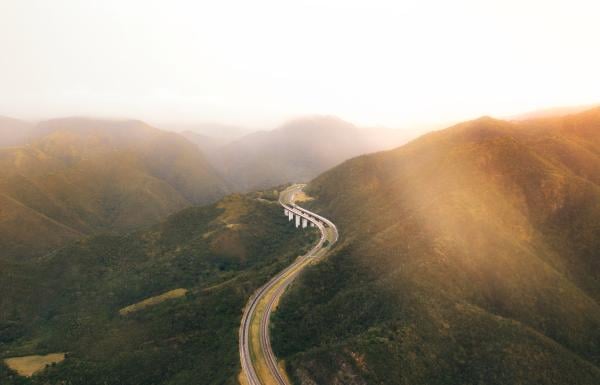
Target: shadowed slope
x: 73, y: 299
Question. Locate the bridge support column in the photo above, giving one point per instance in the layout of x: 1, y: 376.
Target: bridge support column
x: 312, y: 224
x: 304, y: 223
x: 285, y: 212
x: 290, y: 215
x: 297, y: 220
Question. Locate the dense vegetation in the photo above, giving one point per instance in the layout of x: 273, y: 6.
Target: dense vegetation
x: 468, y: 256
x: 69, y: 300
x: 78, y: 177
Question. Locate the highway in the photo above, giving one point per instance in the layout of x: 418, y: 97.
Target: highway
x: 259, y: 364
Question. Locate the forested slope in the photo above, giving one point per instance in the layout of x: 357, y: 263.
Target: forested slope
x: 470, y: 255
x: 71, y: 300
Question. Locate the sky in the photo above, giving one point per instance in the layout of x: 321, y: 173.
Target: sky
x: 257, y: 63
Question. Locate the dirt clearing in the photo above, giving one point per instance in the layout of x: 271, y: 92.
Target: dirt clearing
x: 153, y: 301
x: 28, y: 365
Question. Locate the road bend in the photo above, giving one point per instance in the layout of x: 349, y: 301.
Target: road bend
x: 259, y: 364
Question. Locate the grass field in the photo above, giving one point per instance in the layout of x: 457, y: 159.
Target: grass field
x: 28, y: 365
x: 302, y: 197
x: 171, y: 294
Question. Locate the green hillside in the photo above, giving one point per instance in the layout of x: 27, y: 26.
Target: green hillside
x: 468, y: 256
x: 85, y: 176
x: 69, y: 300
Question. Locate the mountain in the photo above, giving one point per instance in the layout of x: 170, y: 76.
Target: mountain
x: 554, y: 112
x: 297, y: 151
x: 14, y: 132
x: 219, y: 131
x: 469, y: 255
x: 160, y: 305
x: 209, y: 145
x: 84, y: 176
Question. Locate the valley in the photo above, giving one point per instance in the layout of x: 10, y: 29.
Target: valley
x: 468, y: 255
x: 70, y: 300
x: 259, y: 364
x: 290, y: 152
x: 364, y: 192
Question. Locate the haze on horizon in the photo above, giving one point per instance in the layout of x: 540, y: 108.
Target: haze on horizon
x: 259, y: 63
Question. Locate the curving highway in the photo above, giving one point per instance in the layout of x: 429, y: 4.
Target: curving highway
x: 259, y: 364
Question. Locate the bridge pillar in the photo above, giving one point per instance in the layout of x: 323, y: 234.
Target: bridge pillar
x: 285, y: 212
x: 290, y: 215
x: 312, y: 224
x: 304, y: 223
x: 297, y: 220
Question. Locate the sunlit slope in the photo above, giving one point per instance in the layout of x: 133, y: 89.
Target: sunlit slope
x: 89, y: 175
x: 72, y: 300
x: 469, y: 256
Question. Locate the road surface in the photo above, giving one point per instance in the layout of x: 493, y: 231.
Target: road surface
x: 259, y: 364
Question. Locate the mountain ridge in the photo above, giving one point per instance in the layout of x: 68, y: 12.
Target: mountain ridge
x: 297, y: 151
x: 472, y: 257
x: 103, y: 175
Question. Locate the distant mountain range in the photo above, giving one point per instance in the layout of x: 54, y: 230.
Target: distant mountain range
x: 295, y: 152
x: 217, y: 131
x: 79, y: 176
x: 14, y: 132
x: 470, y: 255
x: 63, y: 178
x: 209, y: 145
x: 554, y: 112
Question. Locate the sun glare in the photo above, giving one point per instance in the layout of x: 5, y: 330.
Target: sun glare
x: 393, y: 63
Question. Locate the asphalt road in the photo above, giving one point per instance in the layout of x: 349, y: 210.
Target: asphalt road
x: 268, y: 295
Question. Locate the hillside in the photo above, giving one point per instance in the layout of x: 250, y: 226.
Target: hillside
x: 217, y: 131
x: 297, y: 151
x: 156, y: 306
x: 469, y: 255
x: 84, y: 176
x: 209, y: 145
x: 14, y: 132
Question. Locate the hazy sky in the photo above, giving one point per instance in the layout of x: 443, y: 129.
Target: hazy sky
x: 259, y: 62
